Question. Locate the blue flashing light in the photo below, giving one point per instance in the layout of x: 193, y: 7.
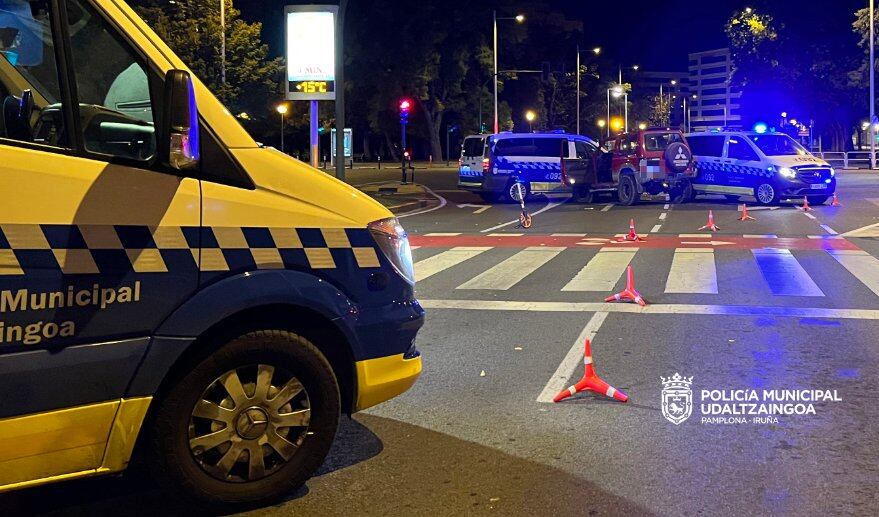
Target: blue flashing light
x: 760, y: 128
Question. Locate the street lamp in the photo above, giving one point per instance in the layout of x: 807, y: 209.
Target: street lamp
x: 618, y: 91
x: 530, y: 116
x: 596, y: 51
x: 872, y: 92
x: 282, y: 110
x: 519, y: 18
x: 223, y: 41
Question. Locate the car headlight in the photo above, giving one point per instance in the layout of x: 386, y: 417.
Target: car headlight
x: 787, y: 172
x: 832, y: 172
x: 394, y: 243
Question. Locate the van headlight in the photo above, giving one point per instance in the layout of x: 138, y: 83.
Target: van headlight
x: 394, y: 243
x: 787, y: 172
x: 832, y: 172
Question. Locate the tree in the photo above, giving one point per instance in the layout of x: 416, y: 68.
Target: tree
x: 659, y: 113
x: 192, y: 30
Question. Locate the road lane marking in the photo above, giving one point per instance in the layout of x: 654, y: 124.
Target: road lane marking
x: 810, y: 216
x: 549, y: 206
x: 479, y: 208
x: 825, y: 237
x: 513, y: 270
x: 559, y: 380
x: 693, y: 236
x: 442, y: 234
x: 568, y: 235
x: 505, y: 234
x: 603, y: 271
x: 662, y: 216
x: 442, y: 203
x: 692, y: 271
x: 656, y: 228
x: 783, y: 273
x: 666, y: 206
x: 607, y: 207
x: 862, y: 265
x: 442, y: 261
x: 871, y: 230
x: 675, y: 309
x: 760, y: 236
x: 829, y: 230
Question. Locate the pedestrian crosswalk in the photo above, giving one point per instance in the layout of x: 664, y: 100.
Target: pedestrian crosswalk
x: 693, y: 270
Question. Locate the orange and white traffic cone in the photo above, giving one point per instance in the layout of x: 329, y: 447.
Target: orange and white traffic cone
x: 805, y: 207
x: 629, y: 294
x: 745, y: 216
x: 835, y: 201
x: 710, y: 225
x: 632, y: 236
x: 591, y: 382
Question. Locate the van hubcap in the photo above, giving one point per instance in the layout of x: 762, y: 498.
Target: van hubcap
x: 765, y: 193
x: 249, y: 423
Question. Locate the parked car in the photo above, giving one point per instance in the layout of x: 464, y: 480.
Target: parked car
x: 769, y: 166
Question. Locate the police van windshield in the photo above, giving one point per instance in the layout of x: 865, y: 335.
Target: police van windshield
x: 544, y: 147
x: 778, y: 145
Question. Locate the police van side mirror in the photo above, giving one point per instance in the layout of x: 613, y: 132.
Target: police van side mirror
x: 180, y: 132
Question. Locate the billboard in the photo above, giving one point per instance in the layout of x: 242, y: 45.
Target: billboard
x: 310, y: 43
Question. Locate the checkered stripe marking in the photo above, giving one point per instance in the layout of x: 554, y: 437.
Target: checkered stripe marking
x: 92, y: 249
x: 521, y: 165
x: 711, y: 166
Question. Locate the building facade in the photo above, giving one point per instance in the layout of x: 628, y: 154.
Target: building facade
x: 714, y: 100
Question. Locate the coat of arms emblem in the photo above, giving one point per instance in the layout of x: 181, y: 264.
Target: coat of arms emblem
x: 677, y: 398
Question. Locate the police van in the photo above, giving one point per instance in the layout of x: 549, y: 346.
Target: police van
x: 493, y: 165
x: 769, y: 166
x: 168, y: 289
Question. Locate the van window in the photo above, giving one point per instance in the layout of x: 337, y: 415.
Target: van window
x: 473, y: 147
x: 659, y: 141
x: 584, y: 150
x: 778, y: 145
x: 114, y: 93
x: 740, y: 150
x: 537, y: 147
x: 28, y: 63
x: 706, y: 145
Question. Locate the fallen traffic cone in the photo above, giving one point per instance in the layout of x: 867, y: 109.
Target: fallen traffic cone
x: 632, y: 236
x: 629, y: 293
x: 591, y: 382
x: 745, y: 216
x: 805, y: 207
x: 835, y: 201
x: 710, y: 226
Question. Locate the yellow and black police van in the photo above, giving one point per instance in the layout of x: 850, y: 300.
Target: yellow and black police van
x: 169, y: 290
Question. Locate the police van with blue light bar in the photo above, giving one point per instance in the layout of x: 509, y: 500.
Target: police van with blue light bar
x: 769, y: 166
x: 171, y: 291
x: 493, y: 165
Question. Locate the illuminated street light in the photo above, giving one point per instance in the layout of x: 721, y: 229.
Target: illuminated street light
x: 519, y: 18
x: 596, y: 50
x: 530, y: 116
x: 282, y: 110
x: 601, y: 123
x: 616, y: 91
x: 642, y: 126
x: 635, y: 67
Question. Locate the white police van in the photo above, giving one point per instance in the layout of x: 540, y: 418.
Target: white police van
x: 769, y: 166
x: 493, y: 165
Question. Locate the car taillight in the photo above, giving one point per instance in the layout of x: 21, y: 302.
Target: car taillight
x: 486, y: 165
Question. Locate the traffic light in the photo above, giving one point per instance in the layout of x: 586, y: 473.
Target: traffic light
x: 405, y: 108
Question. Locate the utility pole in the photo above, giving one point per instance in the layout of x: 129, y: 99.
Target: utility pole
x: 340, y: 91
x: 494, y: 39
x: 223, y: 41
x: 578, y: 89
x: 872, y: 94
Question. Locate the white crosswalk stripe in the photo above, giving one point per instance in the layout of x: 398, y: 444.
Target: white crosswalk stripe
x: 603, y: 271
x: 437, y: 263
x: 512, y: 270
x: 692, y: 271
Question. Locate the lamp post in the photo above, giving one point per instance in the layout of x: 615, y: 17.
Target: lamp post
x: 223, y: 42
x: 617, y: 92
x: 530, y: 116
x: 519, y: 18
x: 872, y: 94
x: 282, y: 110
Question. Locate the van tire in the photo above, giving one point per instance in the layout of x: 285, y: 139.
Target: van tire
x: 584, y: 194
x: 766, y: 194
x: 627, y: 191
x: 292, y: 357
x: 683, y: 193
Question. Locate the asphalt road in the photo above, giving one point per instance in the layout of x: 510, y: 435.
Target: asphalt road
x: 787, y: 302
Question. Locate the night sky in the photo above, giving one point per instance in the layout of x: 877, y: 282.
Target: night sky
x: 656, y: 34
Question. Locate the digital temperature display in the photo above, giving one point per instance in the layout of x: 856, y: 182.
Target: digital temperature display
x: 313, y: 87
x: 311, y: 52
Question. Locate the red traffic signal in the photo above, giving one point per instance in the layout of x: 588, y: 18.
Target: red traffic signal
x: 405, y: 105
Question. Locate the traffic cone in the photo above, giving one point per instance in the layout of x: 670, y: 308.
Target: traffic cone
x: 835, y: 201
x: 632, y: 236
x: 805, y: 207
x: 745, y: 216
x: 591, y: 382
x: 629, y: 293
x: 710, y: 226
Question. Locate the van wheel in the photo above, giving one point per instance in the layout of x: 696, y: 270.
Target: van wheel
x: 817, y: 200
x: 683, y: 193
x: 248, y: 424
x: 584, y: 194
x: 627, y: 192
x: 512, y: 193
x: 766, y: 194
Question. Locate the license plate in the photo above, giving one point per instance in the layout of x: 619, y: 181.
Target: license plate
x: 819, y: 186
